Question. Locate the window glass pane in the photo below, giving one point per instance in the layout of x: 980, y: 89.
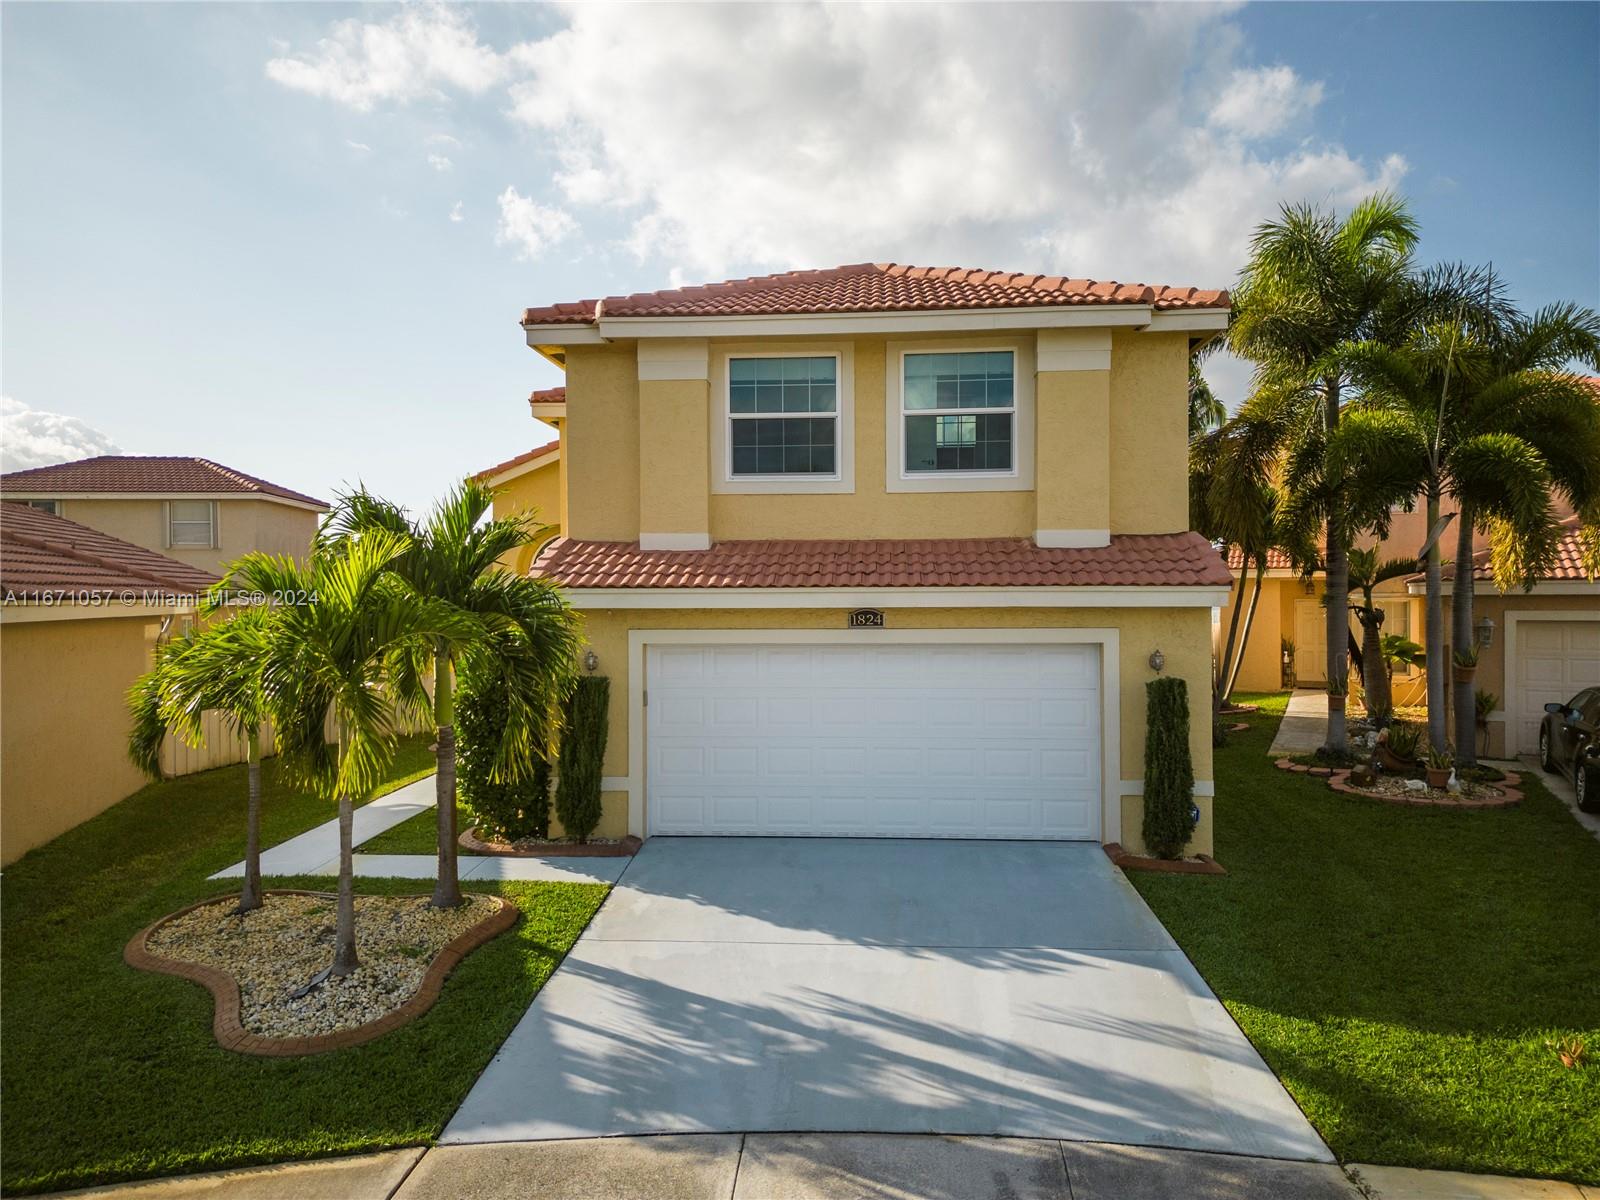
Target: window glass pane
x: 742, y: 370
x: 970, y: 379
x: 48, y: 506
x: 784, y: 446
x: 191, y: 522
x: 962, y: 442
x: 742, y: 397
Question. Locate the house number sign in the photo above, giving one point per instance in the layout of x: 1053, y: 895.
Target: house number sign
x: 865, y: 618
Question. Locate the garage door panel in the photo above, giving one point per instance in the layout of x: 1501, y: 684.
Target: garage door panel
x: 931, y: 741
x: 1554, y: 661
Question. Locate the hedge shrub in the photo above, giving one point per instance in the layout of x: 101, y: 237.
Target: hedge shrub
x: 1168, y: 769
x: 583, y: 751
x: 506, y: 808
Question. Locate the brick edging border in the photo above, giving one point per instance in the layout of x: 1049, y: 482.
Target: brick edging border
x: 232, y: 1035
x: 1201, y: 864
x: 1339, y: 780
x: 628, y: 846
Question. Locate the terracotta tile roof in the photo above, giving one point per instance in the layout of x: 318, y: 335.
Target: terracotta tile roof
x: 1568, y: 565
x: 1277, y: 560
x: 874, y: 287
x: 40, y: 553
x: 166, y: 474
x: 529, y: 456
x: 555, y: 395
x: 1130, y: 561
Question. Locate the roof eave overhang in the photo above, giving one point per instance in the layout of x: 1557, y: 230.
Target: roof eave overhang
x: 46, y: 494
x: 549, y: 339
x: 1545, y: 587
x: 1087, y: 596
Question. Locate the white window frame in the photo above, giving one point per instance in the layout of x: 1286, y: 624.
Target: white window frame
x: 172, y: 522
x: 843, y: 478
x: 1018, y: 479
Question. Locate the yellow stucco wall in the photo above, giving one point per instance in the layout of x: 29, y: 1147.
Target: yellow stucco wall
x: 242, y: 526
x: 1137, y: 450
x: 64, y: 723
x: 537, y: 492
x: 1183, y: 636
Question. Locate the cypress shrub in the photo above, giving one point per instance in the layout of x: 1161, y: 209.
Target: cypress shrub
x: 1168, y: 769
x: 583, y: 751
x: 511, y: 808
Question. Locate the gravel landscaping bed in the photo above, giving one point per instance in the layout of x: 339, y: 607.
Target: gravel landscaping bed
x: 275, y: 951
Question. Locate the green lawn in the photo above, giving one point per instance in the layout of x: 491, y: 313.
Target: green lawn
x: 415, y: 835
x: 1402, y: 969
x: 111, y: 1073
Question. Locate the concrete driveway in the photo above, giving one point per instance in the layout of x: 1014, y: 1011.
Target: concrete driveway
x: 779, y: 984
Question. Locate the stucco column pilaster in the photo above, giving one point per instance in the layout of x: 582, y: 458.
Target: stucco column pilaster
x: 1072, y: 479
x: 674, y: 444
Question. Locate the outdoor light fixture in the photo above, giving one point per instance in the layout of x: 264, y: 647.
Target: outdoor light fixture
x: 591, y: 660
x: 1157, y: 661
x: 1485, y: 631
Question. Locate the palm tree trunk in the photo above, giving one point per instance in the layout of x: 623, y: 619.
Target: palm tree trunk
x: 344, y: 946
x: 250, y: 897
x: 1462, y: 636
x: 1219, y: 686
x: 1374, y: 671
x: 1244, y: 634
x: 447, y: 886
x: 1433, y: 634
x: 1336, y: 594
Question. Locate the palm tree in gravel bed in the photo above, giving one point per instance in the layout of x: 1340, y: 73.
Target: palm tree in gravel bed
x: 216, y: 669
x: 1366, y: 573
x: 522, y: 629
x: 346, y: 658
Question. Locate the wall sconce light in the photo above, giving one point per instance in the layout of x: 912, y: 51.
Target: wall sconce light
x: 1158, y: 660
x: 1485, y: 631
x: 591, y: 660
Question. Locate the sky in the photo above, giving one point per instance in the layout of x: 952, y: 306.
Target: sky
x: 297, y: 238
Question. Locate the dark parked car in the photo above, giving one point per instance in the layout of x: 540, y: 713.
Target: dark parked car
x: 1569, y: 742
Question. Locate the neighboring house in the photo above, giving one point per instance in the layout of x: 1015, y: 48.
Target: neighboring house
x: 884, y: 550
x: 81, y: 615
x: 529, y: 483
x: 190, y: 509
x: 1538, y: 646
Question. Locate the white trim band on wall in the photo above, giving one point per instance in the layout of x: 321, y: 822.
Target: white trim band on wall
x: 1071, y: 539
x: 674, y: 358
x: 674, y: 541
x: 1202, y: 787
x: 1074, y: 350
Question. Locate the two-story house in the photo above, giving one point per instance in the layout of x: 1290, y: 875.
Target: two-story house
x: 884, y: 550
x: 190, y: 509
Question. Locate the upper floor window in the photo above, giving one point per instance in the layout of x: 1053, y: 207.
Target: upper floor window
x: 959, y: 411
x: 191, y: 523
x: 53, y: 507
x: 783, y: 416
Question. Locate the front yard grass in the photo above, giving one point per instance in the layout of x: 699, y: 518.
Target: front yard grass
x: 415, y: 835
x: 1403, y: 969
x: 111, y: 1073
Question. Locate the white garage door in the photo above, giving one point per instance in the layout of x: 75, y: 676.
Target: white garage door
x: 977, y: 741
x: 1555, y: 660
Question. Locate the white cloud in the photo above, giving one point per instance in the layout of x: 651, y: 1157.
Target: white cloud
x: 455, y: 212
x: 529, y: 227
x: 1261, y: 101
x: 410, y: 57
x: 441, y: 139
x: 440, y: 163
x: 30, y: 438
x: 1113, y: 141
x: 359, y: 147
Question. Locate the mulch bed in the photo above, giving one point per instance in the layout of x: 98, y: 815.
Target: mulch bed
x: 407, y: 950
x: 1505, y: 794
x: 1200, y: 864
x: 531, y: 848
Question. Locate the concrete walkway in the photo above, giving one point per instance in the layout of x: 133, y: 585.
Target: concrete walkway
x: 759, y: 1166
x: 316, y: 851
x: 991, y: 988
x: 1305, y: 723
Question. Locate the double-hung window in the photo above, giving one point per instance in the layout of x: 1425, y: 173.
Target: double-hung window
x: 959, y: 412
x: 783, y: 416
x: 191, y: 523
x: 53, y: 507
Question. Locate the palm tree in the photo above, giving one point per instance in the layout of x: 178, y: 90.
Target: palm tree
x: 523, y: 627
x: 1312, y: 283
x: 1366, y: 573
x: 1206, y: 412
x: 216, y: 669
x: 1483, y: 415
x: 345, y: 657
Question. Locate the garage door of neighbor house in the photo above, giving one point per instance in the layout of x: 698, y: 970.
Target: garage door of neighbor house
x: 960, y: 741
x: 1555, y: 660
